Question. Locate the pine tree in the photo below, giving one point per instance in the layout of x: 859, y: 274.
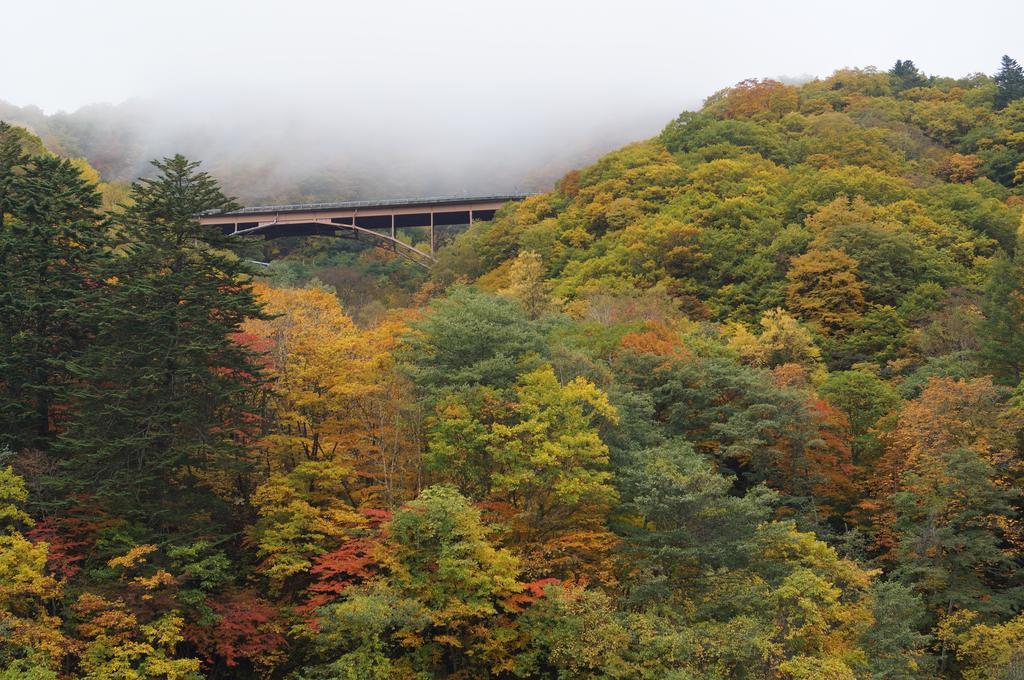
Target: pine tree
x: 162, y: 405
x: 1010, y: 81
x: 951, y: 520
x: 12, y: 158
x: 1002, y: 331
x: 904, y: 75
x: 50, y: 251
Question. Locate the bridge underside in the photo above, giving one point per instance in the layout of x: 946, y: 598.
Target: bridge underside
x: 376, y: 224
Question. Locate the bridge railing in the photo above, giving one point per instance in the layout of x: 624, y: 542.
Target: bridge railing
x: 382, y: 203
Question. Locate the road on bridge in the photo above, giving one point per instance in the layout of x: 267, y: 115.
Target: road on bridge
x: 377, y: 222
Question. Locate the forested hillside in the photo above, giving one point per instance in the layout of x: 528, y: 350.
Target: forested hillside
x: 744, y: 400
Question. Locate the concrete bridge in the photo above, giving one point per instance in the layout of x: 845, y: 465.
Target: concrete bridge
x: 376, y: 222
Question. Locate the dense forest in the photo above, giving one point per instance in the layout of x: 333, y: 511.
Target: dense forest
x: 743, y: 400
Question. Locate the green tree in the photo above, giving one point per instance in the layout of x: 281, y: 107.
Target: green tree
x: 896, y: 648
x: 12, y: 160
x: 51, y: 254
x: 904, y: 75
x: 864, y: 398
x: 1009, y: 81
x: 679, y: 520
x: 472, y: 338
x: 1002, y: 330
x: 163, y: 397
x: 951, y: 541
x: 574, y: 633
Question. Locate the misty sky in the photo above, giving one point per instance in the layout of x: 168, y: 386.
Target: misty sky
x: 448, y: 73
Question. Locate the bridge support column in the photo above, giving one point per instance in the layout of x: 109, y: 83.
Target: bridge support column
x: 431, y: 232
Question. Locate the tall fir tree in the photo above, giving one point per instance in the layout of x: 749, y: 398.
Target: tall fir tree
x: 1009, y: 81
x: 162, y: 403
x: 12, y: 159
x: 904, y: 75
x: 52, y: 245
x: 1002, y: 330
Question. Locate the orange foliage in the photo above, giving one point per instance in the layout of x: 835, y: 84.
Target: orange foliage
x: 752, y: 97
x: 948, y: 415
x: 657, y: 338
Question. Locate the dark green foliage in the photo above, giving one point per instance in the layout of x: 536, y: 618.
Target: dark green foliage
x: 51, y: 250
x: 12, y: 158
x: 897, y: 650
x: 164, y: 390
x: 1002, y: 330
x: 950, y: 549
x: 1010, y: 81
x: 701, y: 131
x: 879, y: 335
x: 472, y: 338
x: 684, y: 520
x: 904, y: 76
x: 729, y: 411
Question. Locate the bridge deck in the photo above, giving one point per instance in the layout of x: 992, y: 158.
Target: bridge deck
x: 387, y: 203
x: 375, y: 221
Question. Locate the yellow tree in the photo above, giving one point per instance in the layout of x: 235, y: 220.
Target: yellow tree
x: 31, y: 641
x: 824, y: 289
x: 546, y: 468
x: 782, y: 341
x: 334, y: 439
x: 526, y: 283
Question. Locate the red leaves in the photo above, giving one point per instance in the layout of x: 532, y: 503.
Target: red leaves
x: 337, y: 570
x: 532, y: 591
x: 353, y: 562
x: 248, y: 628
x: 69, y: 539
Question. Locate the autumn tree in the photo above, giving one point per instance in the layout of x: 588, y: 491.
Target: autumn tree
x: 32, y: 644
x: 526, y: 283
x: 944, y: 498
x: 825, y: 290
x: 783, y: 340
x: 335, y: 433
x: 538, y: 463
x: 985, y: 651
x: 448, y: 594
x: 117, y: 644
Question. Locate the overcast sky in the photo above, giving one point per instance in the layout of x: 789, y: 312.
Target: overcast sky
x: 471, y: 70
x: 549, y: 54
